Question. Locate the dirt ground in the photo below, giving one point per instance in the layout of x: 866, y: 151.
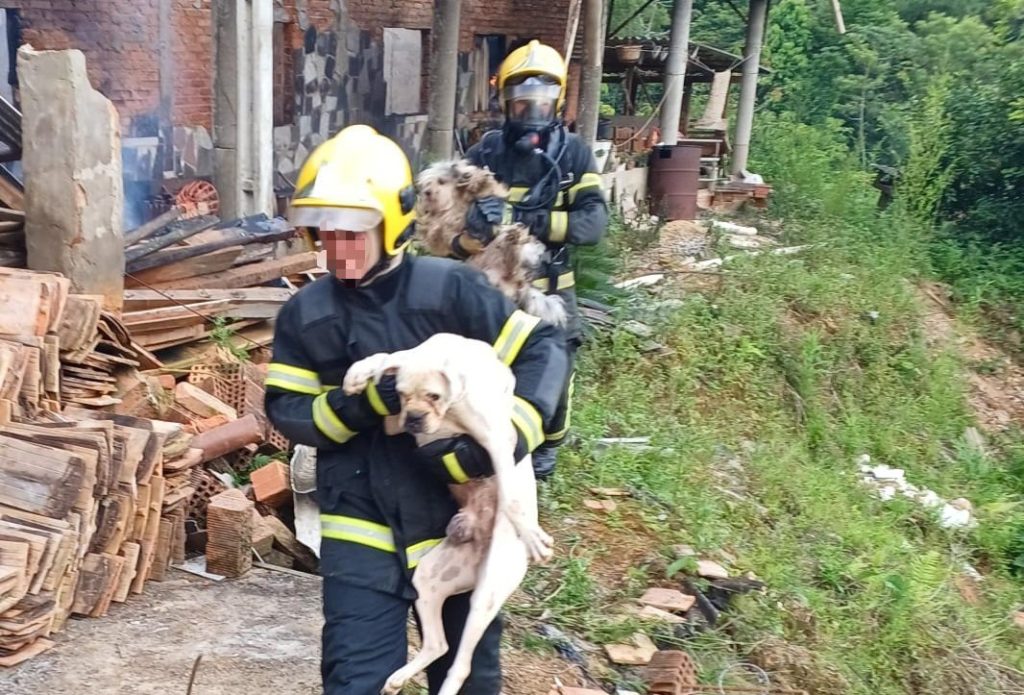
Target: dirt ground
x: 257, y: 634
x: 996, y: 381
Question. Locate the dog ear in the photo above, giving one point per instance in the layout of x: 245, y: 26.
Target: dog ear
x: 456, y: 379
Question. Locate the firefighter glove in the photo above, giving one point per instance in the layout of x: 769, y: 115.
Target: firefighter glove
x: 458, y: 459
x: 537, y: 221
x: 483, y: 216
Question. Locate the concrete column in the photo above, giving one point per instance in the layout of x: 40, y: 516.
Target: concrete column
x: 756, y: 18
x: 73, y: 189
x: 675, y: 70
x: 444, y: 71
x: 244, y: 107
x: 593, y: 60
x: 261, y: 189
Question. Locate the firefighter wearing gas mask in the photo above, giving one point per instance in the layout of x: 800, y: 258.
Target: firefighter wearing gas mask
x: 554, y: 190
x: 385, y: 502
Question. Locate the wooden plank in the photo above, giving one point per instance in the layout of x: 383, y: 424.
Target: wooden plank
x: 162, y: 557
x: 242, y: 276
x: 113, y: 580
x: 286, y: 541
x: 215, y: 262
x: 213, y: 241
x: 175, y: 336
x: 11, y: 194
x: 138, y: 531
x: 78, y: 326
x: 15, y: 554
x: 38, y: 646
x: 10, y: 215
x: 130, y: 552
x: 97, y: 438
x: 38, y: 479
x: 61, y: 540
x: 39, y: 296
x: 13, y: 534
x: 140, y: 299
x: 183, y: 230
x: 51, y: 541
x: 149, y: 541
x: 141, y: 319
x: 147, y: 229
x: 32, y: 381
x: 93, y: 576
x: 51, y: 363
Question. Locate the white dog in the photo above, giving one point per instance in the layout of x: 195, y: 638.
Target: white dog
x: 450, y: 385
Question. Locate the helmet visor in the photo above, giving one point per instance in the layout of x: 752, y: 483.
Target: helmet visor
x: 331, y: 218
x: 532, y: 103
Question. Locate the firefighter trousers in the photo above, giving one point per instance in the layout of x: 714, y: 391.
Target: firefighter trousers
x: 364, y: 642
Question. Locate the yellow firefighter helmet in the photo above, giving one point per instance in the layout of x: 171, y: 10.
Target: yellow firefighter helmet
x: 356, y: 181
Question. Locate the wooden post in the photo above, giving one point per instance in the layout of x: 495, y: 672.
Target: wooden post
x: 444, y: 68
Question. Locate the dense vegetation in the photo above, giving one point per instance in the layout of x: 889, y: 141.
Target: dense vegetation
x: 784, y: 371
x: 933, y: 88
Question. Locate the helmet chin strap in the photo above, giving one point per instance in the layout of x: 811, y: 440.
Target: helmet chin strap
x: 383, y: 265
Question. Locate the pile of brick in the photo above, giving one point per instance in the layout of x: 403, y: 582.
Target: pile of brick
x: 108, y: 465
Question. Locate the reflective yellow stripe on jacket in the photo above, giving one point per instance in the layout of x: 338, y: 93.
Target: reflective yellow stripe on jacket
x: 588, y: 180
x: 565, y: 281
x: 372, y: 535
x: 513, y: 335
x: 528, y: 421
x: 289, y: 378
x: 328, y: 422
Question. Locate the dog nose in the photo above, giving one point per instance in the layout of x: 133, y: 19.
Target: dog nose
x: 414, y: 422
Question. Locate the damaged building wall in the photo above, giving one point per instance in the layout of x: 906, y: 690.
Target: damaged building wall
x: 334, y: 64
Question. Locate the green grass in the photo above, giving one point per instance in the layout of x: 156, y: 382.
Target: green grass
x: 775, y: 384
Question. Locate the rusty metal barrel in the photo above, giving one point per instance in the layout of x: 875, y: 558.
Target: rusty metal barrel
x: 673, y: 181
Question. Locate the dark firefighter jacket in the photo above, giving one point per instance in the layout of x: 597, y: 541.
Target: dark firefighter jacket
x: 381, y: 509
x: 578, y: 213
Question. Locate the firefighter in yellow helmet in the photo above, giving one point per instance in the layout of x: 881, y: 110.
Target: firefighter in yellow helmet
x: 384, y: 502
x: 554, y: 189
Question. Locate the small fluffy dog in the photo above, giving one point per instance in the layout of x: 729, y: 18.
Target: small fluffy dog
x: 450, y: 385
x: 510, y: 262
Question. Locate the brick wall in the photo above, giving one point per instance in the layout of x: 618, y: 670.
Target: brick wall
x: 192, y: 40
x: 121, y: 43
x: 519, y: 19
x: 118, y: 38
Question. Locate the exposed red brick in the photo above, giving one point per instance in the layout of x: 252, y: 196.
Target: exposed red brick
x: 121, y: 41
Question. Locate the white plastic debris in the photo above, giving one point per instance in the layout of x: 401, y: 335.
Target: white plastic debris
x: 733, y: 228
x: 883, y: 472
x: 972, y: 573
x: 887, y: 482
x: 642, y: 281
x: 954, y: 517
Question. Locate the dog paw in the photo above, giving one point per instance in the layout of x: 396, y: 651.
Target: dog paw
x: 461, y: 528
x: 362, y: 372
x: 393, y: 686
x: 539, y: 544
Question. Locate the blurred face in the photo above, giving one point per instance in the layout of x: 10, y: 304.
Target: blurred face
x: 349, y: 255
